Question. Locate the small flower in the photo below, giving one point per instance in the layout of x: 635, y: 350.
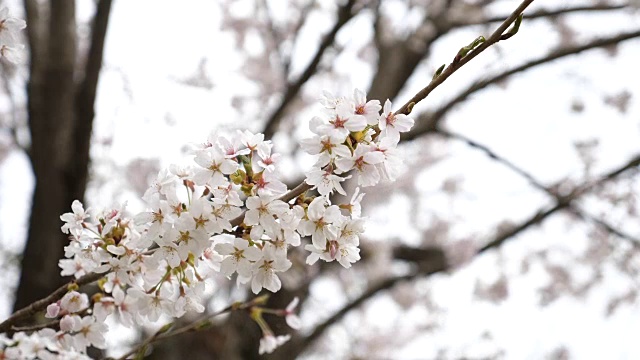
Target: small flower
x: 269, y: 343
x: 238, y: 257
x: 392, y: 124
x: 264, y: 272
x: 74, y: 301
x: 52, y: 311
x: 318, y: 217
x: 262, y: 209
x: 363, y: 160
x: 291, y: 318
x: 74, y: 220
x: 214, y: 168
x: 370, y: 110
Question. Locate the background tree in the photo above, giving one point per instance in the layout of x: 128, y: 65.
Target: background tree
x: 398, y: 45
x: 61, y: 91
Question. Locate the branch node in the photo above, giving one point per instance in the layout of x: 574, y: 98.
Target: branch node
x: 514, y: 29
x: 438, y: 72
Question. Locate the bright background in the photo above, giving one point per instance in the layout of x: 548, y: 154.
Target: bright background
x: 171, y: 75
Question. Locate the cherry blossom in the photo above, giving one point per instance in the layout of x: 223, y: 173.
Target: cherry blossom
x: 223, y: 216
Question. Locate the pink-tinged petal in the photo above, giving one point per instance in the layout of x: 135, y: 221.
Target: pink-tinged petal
x: 228, y: 266
x: 277, y: 207
x: 272, y: 283
x: 373, y: 157
x: 312, y: 258
x: 341, y: 151
x: 224, y: 249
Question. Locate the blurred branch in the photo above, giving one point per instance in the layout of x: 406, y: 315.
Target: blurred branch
x: 430, y: 122
x: 202, y: 322
x: 344, y: 15
x: 562, y: 202
x: 304, y: 14
x: 459, y: 61
x: 434, y: 267
x: 545, y: 13
x: 298, y: 345
x: 42, y: 304
x: 85, y: 99
x: 574, y: 208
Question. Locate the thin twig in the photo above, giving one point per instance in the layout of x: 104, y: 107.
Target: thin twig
x: 431, y: 121
x: 200, y: 323
x: 497, y: 241
x: 345, y: 13
x: 574, y: 208
x: 41, y: 304
x: 562, y: 202
x: 454, y: 66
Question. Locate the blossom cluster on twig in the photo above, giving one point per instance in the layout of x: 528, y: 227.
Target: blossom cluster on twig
x: 227, y: 214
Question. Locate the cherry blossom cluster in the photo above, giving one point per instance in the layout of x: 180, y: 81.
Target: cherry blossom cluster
x: 226, y: 214
x: 352, y: 136
x: 10, y: 46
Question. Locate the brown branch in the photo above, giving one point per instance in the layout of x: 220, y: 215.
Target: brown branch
x: 85, y: 101
x: 54, y: 324
x: 42, y: 304
x: 198, y: 324
x: 458, y: 63
x: 497, y: 241
x: 545, y: 13
x: 574, y: 208
x: 345, y: 14
x: 431, y: 121
x: 563, y: 202
x: 436, y: 263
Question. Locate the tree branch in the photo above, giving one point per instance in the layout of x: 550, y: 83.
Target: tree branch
x: 430, y: 122
x: 437, y: 267
x: 201, y: 323
x: 458, y: 63
x: 42, y: 304
x: 85, y: 100
x: 574, y: 208
x: 563, y: 202
x: 545, y: 13
x: 345, y: 14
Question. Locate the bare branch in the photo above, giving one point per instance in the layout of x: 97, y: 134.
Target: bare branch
x: 458, y: 63
x: 563, y: 202
x: 199, y: 324
x: 437, y: 267
x: 574, y: 208
x: 431, y: 122
x: 545, y: 13
x: 85, y: 100
x: 345, y: 14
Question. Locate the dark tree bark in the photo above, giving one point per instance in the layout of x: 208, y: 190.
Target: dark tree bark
x: 60, y: 112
